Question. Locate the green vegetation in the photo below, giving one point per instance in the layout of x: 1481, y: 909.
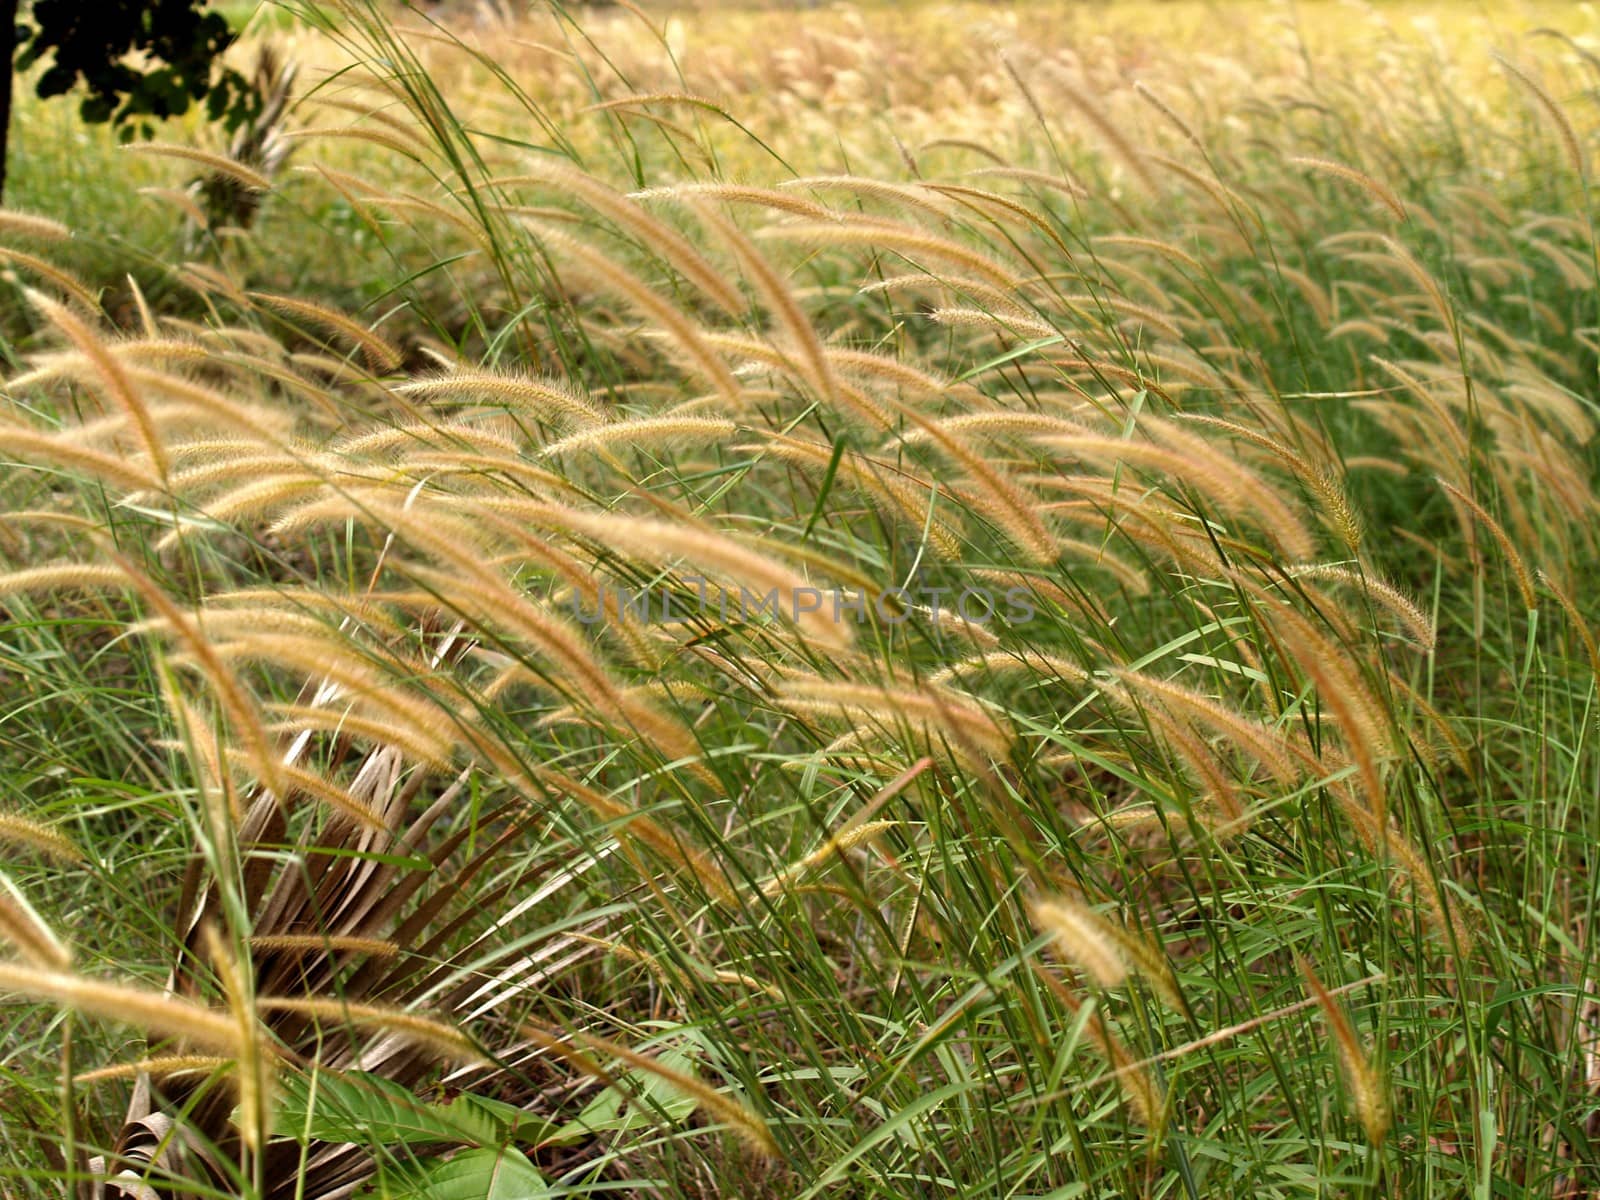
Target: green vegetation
x: 812, y: 603
x: 133, y: 61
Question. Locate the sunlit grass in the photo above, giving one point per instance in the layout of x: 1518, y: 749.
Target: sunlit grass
x: 981, y: 600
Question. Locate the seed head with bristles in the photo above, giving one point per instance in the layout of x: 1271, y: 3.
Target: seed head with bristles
x: 1377, y: 190
x: 1084, y: 936
x: 1366, y: 1084
x: 26, y: 930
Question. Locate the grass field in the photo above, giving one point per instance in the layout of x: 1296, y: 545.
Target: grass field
x: 872, y: 601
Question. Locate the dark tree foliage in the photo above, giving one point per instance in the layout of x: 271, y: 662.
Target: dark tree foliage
x: 93, y: 43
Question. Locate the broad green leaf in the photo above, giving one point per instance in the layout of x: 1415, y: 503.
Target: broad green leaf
x: 358, y: 1107
x: 478, y: 1174
x: 643, y: 1102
